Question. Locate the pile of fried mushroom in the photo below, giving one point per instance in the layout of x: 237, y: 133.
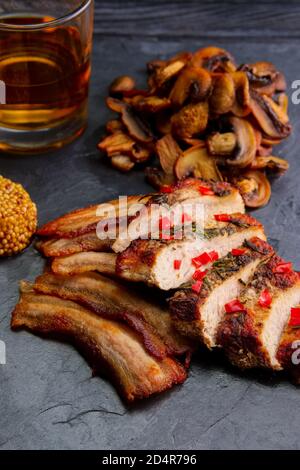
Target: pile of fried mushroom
x: 202, y: 116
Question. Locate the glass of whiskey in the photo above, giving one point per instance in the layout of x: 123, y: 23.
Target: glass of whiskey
x: 45, y: 51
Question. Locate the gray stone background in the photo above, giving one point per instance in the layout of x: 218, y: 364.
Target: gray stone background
x: 48, y: 399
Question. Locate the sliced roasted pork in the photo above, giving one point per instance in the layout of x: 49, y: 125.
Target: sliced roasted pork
x: 110, y: 346
x: 197, y: 310
x: 201, y: 199
x: 113, y: 300
x: 169, y: 264
x: 67, y: 246
x: 251, y: 331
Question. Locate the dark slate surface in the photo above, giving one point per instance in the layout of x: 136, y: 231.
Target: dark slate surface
x: 48, y: 398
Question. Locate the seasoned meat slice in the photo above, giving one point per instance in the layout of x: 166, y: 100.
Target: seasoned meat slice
x: 198, y: 312
x: 211, y: 198
x: 154, y: 261
x: 116, y: 301
x: 288, y: 353
x: 110, y: 346
x: 84, y: 262
x: 251, y: 336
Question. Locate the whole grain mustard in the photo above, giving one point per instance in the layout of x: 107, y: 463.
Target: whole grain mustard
x: 18, y: 217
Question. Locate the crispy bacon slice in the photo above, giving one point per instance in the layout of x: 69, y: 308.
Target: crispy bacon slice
x: 85, y: 220
x: 68, y: 246
x: 115, y: 301
x: 111, y: 346
x: 84, y: 262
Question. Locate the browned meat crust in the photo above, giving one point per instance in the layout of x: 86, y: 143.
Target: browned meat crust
x: 185, y: 305
x: 240, y: 332
x: 115, y: 301
x: 110, y: 346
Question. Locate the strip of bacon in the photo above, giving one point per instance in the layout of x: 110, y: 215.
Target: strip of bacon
x: 68, y: 246
x: 85, y: 220
x: 84, y: 262
x: 110, y: 346
x: 114, y: 300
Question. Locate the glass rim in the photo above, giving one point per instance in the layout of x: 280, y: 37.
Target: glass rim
x: 48, y: 24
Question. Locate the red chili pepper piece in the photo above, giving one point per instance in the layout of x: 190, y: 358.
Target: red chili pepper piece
x: 234, y: 306
x: 197, y: 286
x: 222, y: 217
x: 204, y: 258
x: 238, y: 251
x: 166, y: 189
x: 164, y: 223
x: 283, y: 268
x: 199, y: 275
x: 186, y: 218
x: 265, y: 298
x: 205, y: 191
x: 213, y: 256
x: 295, y: 317
x: 177, y: 263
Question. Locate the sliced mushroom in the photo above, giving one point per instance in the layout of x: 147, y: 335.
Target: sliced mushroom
x: 223, y: 94
x: 158, y: 179
x: 264, y: 150
x: 114, y: 125
x: 283, y: 102
x: 270, y: 116
x: 241, y: 105
x: 168, y: 152
x: 119, y: 142
x: 163, y: 122
x: 161, y: 72
x: 149, y: 104
x: 245, y: 149
x: 122, y: 162
x: 221, y: 144
x: 214, y: 59
x: 197, y: 162
x: 191, y: 142
x: 193, y: 83
x: 264, y: 78
x: 121, y: 85
x: 190, y: 120
x: 254, y: 187
x: 274, y: 164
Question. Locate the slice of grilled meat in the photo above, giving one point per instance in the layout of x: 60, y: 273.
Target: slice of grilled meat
x: 156, y: 261
x: 288, y: 353
x: 250, y: 337
x: 116, y: 301
x: 197, y: 313
x: 212, y: 198
x: 84, y: 262
x: 110, y: 346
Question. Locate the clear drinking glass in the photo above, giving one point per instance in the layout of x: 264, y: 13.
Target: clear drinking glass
x: 45, y: 49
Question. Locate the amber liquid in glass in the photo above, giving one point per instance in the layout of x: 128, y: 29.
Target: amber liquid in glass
x: 46, y: 75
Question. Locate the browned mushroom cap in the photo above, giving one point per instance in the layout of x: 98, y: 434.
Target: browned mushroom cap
x: 254, y: 187
x: 163, y: 122
x: 136, y: 127
x: 114, y: 125
x: 264, y: 150
x: 121, y: 84
x: 245, y: 149
x: 264, y: 78
x: 197, y: 162
x: 241, y: 105
x: 214, y: 59
x: 193, y: 83
x: 121, y: 143
x: 168, y: 152
x: 223, y: 94
x: 273, y: 164
x: 122, y: 162
x: 221, y: 144
x: 270, y: 116
x: 157, y: 178
x: 283, y: 102
x: 190, y: 120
